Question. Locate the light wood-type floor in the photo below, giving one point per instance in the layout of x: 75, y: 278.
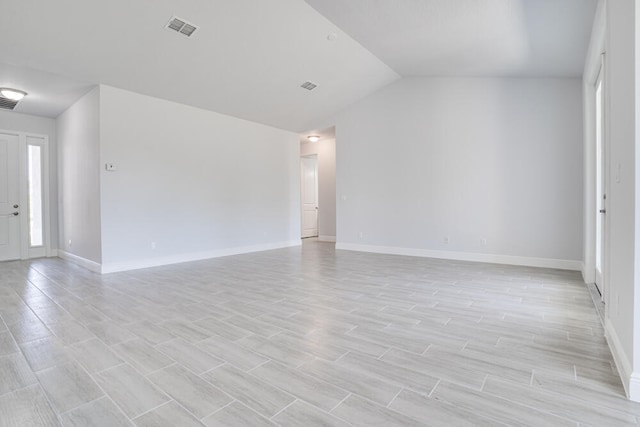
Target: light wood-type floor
x: 304, y: 337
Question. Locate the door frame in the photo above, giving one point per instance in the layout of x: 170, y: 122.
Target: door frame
x: 595, y: 64
x: 26, y: 251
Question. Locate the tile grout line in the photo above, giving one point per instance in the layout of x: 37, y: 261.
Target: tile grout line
x: 340, y: 403
x: 434, y: 387
x: 484, y: 382
x: 258, y: 366
x: 394, y: 397
x: 283, y: 409
x: 154, y: 408
x: 233, y: 400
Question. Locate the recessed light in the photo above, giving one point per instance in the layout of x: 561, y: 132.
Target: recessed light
x: 313, y: 138
x: 13, y: 94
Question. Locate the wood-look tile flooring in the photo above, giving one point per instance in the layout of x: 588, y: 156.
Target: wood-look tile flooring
x: 304, y: 337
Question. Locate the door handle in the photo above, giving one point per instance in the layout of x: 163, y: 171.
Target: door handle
x: 12, y: 214
x: 603, y: 211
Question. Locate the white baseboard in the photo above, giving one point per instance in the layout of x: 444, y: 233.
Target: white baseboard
x: 327, y: 238
x: 193, y: 256
x: 585, y: 276
x: 83, y: 262
x: 563, y: 264
x: 630, y: 380
x: 53, y: 253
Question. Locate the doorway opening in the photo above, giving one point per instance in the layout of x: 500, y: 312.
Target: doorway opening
x: 318, y: 184
x: 601, y: 183
x: 309, y: 196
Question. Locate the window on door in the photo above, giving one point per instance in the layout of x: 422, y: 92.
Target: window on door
x: 35, y: 194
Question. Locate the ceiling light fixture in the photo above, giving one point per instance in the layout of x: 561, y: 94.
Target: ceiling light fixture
x: 12, y: 94
x: 313, y: 138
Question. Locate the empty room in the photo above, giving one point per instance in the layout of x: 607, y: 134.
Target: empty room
x: 319, y: 213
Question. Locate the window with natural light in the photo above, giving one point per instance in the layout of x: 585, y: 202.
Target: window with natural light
x: 34, y: 155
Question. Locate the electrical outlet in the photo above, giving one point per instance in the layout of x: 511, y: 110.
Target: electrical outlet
x: 483, y: 241
x: 70, y: 243
x: 447, y: 240
x: 361, y: 234
x: 153, y: 245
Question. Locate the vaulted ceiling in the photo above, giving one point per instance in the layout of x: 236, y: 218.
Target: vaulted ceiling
x: 515, y: 38
x: 249, y: 57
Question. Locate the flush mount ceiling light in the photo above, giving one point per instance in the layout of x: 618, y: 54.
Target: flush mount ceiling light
x: 313, y: 138
x: 12, y: 94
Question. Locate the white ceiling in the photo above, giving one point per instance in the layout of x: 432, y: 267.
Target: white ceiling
x: 247, y: 60
x: 327, y: 133
x: 469, y: 37
x: 48, y: 94
x: 249, y: 57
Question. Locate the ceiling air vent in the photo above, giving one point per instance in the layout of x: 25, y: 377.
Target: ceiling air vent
x: 9, y: 98
x: 308, y: 85
x: 181, y: 26
x: 7, y: 104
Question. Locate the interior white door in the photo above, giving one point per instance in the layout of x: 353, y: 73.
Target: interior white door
x: 309, y: 171
x: 9, y: 198
x: 601, y: 184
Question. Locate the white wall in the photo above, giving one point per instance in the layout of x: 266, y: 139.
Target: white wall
x: 196, y: 183
x: 634, y: 380
x: 622, y: 275
x: 25, y: 123
x: 326, y: 152
x: 79, y: 179
x: 471, y: 159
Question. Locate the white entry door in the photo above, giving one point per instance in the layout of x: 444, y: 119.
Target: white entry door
x: 309, y: 167
x: 9, y: 198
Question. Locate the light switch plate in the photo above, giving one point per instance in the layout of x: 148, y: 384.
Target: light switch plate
x: 110, y: 166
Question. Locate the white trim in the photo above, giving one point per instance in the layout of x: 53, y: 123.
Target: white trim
x: 327, y: 238
x: 583, y: 272
x: 47, y: 197
x: 37, y: 252
x: 563, y: 264
x: 24, y: 195
x: 83, y: 262
x: 622, y: 362
x: 634, y: 387
x: 193, y: 256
